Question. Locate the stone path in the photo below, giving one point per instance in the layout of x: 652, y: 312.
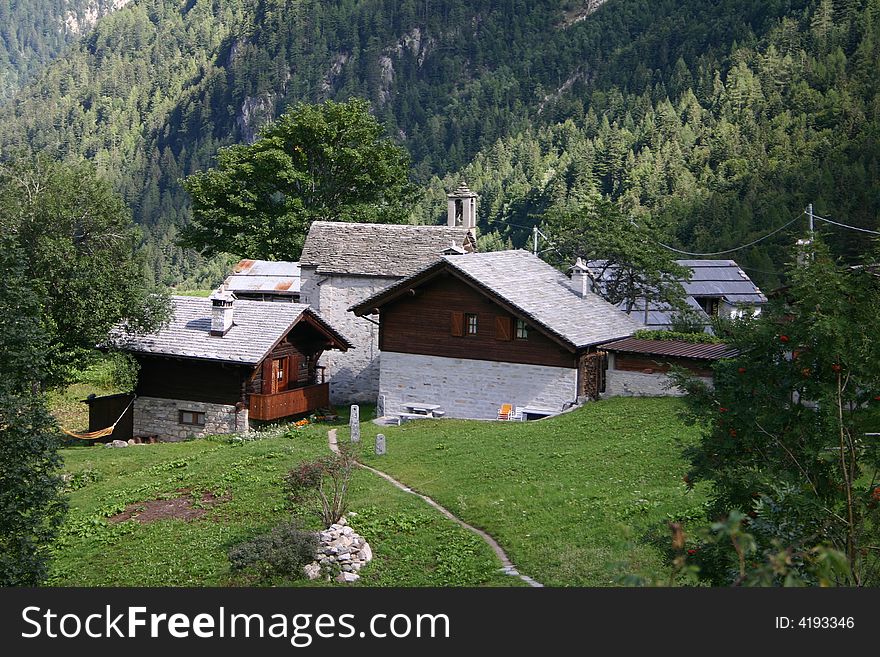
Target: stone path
x: 507, y: 564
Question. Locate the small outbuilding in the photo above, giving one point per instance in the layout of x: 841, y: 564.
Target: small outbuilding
x: 638, y: 367
x: 221, y: 363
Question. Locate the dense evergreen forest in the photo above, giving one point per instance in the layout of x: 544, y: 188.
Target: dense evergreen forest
x: 721, y: 119
x: 34, y: 32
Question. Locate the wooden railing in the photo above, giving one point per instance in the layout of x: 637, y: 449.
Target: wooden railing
x: 289, y: 402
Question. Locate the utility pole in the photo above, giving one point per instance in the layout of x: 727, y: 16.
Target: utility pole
x: 534, y: 240
x: 806, y: 246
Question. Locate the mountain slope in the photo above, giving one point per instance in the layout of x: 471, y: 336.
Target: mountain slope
x: 662, y: 105
x: 33, y: 33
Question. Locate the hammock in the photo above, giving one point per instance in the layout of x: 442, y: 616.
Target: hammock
x: 100, y: 433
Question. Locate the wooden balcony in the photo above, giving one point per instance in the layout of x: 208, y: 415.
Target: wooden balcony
x: 289, y: 402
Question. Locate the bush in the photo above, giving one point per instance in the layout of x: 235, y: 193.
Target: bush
x: 322, y: 483
x: 283, y: 551
x: 699, y: 338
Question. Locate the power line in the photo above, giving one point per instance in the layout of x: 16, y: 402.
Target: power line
x: 837, y: 223
x: 738, y: 248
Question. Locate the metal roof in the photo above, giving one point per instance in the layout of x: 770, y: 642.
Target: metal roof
x: 680, y: 349
x: 257, y: 327
x: 538, y: 291
x: 265, y: 276
x: 388, y: 250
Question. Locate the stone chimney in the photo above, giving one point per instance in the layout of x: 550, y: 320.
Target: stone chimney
x: 580, y: 279
x: 221, y: 312
x: 462, y: 208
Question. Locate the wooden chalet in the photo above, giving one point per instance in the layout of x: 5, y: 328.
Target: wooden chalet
x: 222, y: 362
x: 475, y: 332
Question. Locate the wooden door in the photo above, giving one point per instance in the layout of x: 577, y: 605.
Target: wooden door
x: 280, y: 374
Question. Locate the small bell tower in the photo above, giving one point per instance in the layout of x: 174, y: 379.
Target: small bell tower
x: 462, y: 210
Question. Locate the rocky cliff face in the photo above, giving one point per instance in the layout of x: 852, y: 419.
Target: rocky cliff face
x: 81, y: 16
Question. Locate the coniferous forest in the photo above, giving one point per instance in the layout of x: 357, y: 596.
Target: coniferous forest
x: 718, y: 119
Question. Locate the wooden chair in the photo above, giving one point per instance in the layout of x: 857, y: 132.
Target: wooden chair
x: 505, y: 411
x: 517, y: 414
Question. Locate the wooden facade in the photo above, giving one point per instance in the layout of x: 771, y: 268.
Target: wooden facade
x: 194, y: 380
x: 436, y: 318
x: 650, y: 364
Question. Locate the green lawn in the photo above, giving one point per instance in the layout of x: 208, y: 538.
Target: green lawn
x: 580, y: 499
x: 413, y: 544
x: 572, y: 499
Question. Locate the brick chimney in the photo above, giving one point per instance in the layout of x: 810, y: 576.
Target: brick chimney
x: 221, y: 312
x: 580, y: 280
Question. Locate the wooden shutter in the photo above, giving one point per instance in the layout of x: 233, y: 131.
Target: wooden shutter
x: 503, y: 328
x: 267, y: 376
x: 457, y: 328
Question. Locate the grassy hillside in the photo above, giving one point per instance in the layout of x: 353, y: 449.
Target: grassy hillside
x: 581, y: 499
x: 413, y: 544
x: 576, y: 500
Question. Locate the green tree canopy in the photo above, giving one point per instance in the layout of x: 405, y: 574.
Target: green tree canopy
x: 787, y: 426
x: 31, y: 506
x: 316, y: 162
x: 78, y: 249
x: 629, y: 268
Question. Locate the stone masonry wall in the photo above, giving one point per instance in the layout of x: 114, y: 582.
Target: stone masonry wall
x: 353, y: 375
x: 154, y: 416
x: 473, y: 389
x: 620, y: 383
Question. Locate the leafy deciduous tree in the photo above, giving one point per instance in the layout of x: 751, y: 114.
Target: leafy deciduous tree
x: 31, y: 506
x: 78, y: 249
x: 316, y: 162
x: 786, y: 428
x: 628, y: 267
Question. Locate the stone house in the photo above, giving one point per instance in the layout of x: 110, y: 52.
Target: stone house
x: 473, y: 332
x: 343, y: 263
x: 222, y: 362
x: 715, y: 288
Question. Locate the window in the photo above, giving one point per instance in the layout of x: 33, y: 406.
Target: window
x: 522, y: 330
x: 470, y: 321
x: 710, y: 305
x: 195, y: 418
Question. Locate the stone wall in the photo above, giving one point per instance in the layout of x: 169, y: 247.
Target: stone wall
x: 621, y: 383
x: 154, y: 416
x: 474, y: 389
x: 353, y: 375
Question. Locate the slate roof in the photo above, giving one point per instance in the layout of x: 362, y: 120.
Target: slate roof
x: 681, y: 349
x: 257, y: 327
x: 264, y: 276
x: 391, y: 250
x: 542, y: 294
x: 721, y: 278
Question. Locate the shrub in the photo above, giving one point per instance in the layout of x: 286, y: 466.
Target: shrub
x: 700, y: 338
x: 322, y: 483
x: 283, y: 551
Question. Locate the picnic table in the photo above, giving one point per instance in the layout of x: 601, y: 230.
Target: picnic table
x: 422, y: 409
x: 417, y: 411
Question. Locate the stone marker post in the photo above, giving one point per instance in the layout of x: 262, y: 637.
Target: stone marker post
x: 380, y: 444
x: 354, y: 423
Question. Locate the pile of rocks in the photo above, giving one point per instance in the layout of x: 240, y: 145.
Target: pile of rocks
x: 340, y: 549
